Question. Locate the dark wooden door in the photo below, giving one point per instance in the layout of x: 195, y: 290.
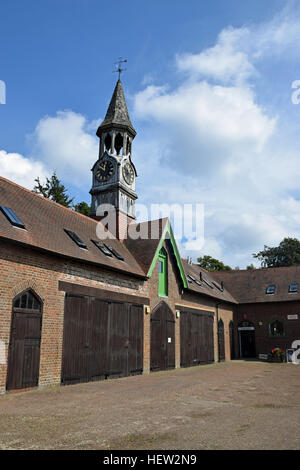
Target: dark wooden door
x: 247, y: 339
x: 102, y: 339
x: 221, y: 340
x: 196, y: 338
x: 162, y: 349
x: 136, y: 340
x: 231, y: 340
x: 24, y: 347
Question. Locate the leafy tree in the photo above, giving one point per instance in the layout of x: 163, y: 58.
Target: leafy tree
x: 83, y: 208
x: 53, y: 189
x: 212, y: 264
x: 250, y: 266
x: 287, y: 253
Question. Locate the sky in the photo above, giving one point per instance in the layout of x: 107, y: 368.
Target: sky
x: 209, y: 91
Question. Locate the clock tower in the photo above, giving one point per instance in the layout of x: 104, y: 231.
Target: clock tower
x: 114, y: 174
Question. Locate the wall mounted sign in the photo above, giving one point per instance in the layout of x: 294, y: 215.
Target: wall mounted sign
x: 292, y: 317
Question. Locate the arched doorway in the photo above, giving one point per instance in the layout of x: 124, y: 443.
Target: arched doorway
x: 162, y: 353
x: 221, y: 340
x: 231, y: 340
x: 247, y: 340
x: 25, y: 338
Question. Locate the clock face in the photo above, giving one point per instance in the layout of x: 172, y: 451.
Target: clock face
x: 105, y: 171
x: 128, y: 173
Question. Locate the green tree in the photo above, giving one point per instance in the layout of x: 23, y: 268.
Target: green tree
x: 250, y: 266
x: 212, y: 264
x: 53, y: 189
x: 83, y: 208
x: 287, y: 253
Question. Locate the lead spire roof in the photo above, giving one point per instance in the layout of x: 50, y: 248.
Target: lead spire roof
x: 117, y: 113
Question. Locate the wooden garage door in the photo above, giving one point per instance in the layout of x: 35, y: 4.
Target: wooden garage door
x: 162, y: 353
x: 102, y: 339
x: 196, y: 338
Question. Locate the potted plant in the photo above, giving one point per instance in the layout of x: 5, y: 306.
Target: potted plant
x: 277, y: 355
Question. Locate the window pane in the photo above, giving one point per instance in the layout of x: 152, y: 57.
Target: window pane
x: 24, y: 301
x: 270, y: 289
x: 30, y: 301
x: 293, y: 287
x: 276, y: 328
x: 160, y: 267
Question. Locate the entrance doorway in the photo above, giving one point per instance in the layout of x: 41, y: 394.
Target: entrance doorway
x: 162, y: 338
x: 25, y: 339
x: 247, y: 340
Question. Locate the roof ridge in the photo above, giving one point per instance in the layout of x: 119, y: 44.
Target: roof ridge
x: 46, y: 199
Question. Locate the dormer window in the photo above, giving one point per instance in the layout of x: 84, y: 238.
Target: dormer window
x: 270, y: 289
x: 293, y: 287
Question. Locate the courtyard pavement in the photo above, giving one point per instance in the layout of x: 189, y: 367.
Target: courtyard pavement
x: 233, y: 405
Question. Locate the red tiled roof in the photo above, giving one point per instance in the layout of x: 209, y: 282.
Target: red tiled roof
x: 249, y: 286
x: 45, y: 222
x: 214, y: 290
x: 144, y: 249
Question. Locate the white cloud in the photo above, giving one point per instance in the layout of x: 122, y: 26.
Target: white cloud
x: 207, y: 140
x: 212, y: 142
x: 224, y: 61
x: 21, y: 170
x: 65, y: 144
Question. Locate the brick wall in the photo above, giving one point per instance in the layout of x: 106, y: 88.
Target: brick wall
x: 261, y: 314
x: 23, y: 268
x: 177, y: 297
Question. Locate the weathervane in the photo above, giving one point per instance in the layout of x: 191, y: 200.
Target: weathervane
x: 119, y: 66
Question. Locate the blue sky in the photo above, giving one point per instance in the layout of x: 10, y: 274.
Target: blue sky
x: 208, y: 86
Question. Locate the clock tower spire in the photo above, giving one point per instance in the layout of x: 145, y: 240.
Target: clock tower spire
x: 114, y: 173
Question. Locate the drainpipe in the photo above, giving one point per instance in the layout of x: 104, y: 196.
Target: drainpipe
x: 217, y: 318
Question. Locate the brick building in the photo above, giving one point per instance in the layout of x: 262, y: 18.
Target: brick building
x: 76, y: 306
x: 267, y: 313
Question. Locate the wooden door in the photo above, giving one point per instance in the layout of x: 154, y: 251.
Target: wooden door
x: 196, y: 338
x: 25, y: 340
x: 136, y: 340
x: 162, y: 353
x: 231, y: 339
x: 221, y: 340
x: 102, y: 339
x: 118, y: 340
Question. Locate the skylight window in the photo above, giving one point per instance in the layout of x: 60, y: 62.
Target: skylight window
x: 293, y: 287
x: 191, y: 278
x: 76, y: 239
x: 217, y: 286
x: 270, y: 289
x: 102, y: 248
x: 12, y: 217
x: 114, y: 252
x: 207, y: 283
